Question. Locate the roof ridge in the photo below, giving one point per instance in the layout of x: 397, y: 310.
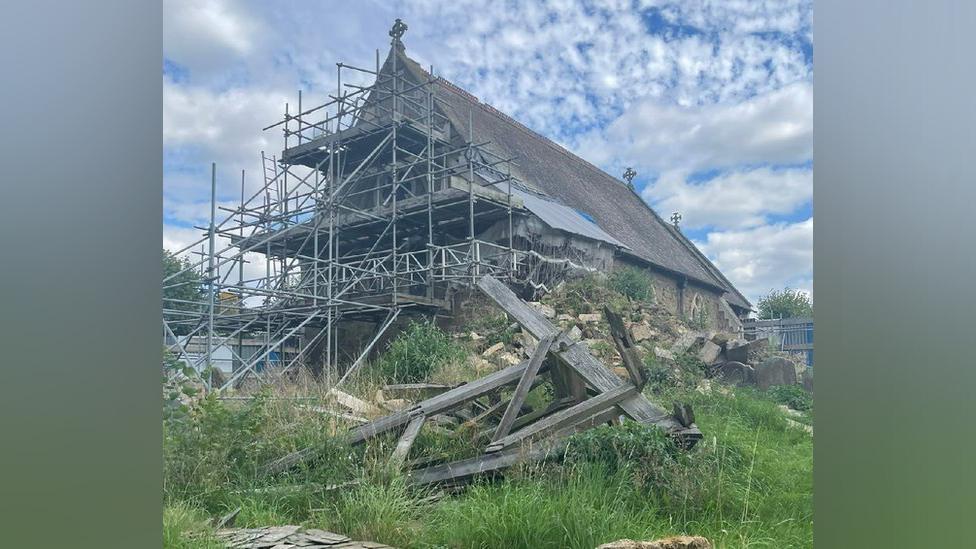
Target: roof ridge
x: 487, y: 107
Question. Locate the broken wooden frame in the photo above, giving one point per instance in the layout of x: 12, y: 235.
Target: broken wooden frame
x: 587, y: 394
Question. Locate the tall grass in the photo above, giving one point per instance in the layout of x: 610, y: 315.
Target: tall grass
x: 748, y: 483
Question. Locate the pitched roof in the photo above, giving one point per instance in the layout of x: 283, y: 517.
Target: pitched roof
x: 546, y: 167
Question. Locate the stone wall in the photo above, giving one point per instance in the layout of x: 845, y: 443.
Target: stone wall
x: 690, y: 301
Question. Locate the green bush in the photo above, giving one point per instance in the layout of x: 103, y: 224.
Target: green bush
x: 788, y: 303
x: 632, y: 282
x: 791, y: 395
x: 417, y: 352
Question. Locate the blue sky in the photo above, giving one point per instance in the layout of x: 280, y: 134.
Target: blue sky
x: 711, y: 102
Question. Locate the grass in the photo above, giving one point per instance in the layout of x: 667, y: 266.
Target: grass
x: 747, y: 484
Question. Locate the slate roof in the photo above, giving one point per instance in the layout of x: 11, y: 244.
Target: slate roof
x: 546, y: 167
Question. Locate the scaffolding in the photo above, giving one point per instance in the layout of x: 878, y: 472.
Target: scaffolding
x: 373, y: 209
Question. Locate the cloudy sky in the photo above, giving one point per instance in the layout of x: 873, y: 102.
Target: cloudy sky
x: 711, y: 102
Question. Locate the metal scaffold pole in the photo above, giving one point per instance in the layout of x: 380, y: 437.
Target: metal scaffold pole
x: 364, y: 216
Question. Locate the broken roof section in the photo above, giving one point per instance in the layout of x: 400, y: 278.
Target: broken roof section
x: 549, y: 169
x: 561, y: 217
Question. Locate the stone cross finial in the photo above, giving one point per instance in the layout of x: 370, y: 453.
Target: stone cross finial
x: 675, y: 218
x: 629, y: 175
x: 399, y: 27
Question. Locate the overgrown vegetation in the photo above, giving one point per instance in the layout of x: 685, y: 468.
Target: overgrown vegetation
x: 632, y: 282
x: 788, y: 303
x: 791, y: 395
x: 417, y: 352
x: 748, y: 483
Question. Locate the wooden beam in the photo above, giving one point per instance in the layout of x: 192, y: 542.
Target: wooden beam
x: 406, y: 441
x: 565, y: 418
x: 440, y: 403
x: 522, y: 389
x: 626, y: 347
x: 577, y: 356
x: 467, y: 468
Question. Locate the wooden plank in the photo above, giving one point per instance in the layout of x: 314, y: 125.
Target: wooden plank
x: 287, y: 461
x: 489, y: 411
x: 530, y: 319
x: 467, y: 468
x: 440, y: 403
x: 612, y: 413
x: 576, y: 355
x: 626, y: 348
x: 406, y: 440
x: 522, y: 389
x: 413, y: 390
x: 557, y: 375
x: 565, y: 418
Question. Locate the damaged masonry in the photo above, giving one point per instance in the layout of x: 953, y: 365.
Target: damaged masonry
x: 396, y: 198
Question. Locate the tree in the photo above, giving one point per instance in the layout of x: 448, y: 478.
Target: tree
x: 788, y: 303
x: 177, y: 292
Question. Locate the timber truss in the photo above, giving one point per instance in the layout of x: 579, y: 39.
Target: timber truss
x: 586, y: 394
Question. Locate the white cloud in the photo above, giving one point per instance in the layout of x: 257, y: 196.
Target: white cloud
x: 764, y: 258
x: 776, y: 127
x: 207, y: 34
x: 735, y: 199
x: 731, y: 97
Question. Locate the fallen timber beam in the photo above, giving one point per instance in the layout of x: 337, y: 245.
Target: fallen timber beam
x: 465, y: 469
x: 576, y: 355
x: 406, y: 441
x: 524, y: 385
x: 565, y: 418
x: 479, y: 465
x: 626, y: 348
x: 440, y: 403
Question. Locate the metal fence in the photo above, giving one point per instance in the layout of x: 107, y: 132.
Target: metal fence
x: 793, y: 335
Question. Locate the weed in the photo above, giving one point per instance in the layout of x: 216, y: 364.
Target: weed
x: 418, y: 351
x: 632, y: 282
x: 791, y: 395
x: 185, y: 527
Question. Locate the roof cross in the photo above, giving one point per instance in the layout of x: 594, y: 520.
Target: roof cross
x: 675, y: 218
x: 629, y: 175
x: 399, y: 27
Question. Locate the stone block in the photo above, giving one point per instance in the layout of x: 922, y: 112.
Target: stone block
x: 735, y: 373
x: 775, y: 371
x: 709, y: 353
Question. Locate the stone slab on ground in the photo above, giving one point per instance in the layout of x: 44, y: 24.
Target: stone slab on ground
x: 493, y: 349
x: 686, y: 341
x: 288, y: 537
x: 775, y: 371
x: 663, y: 354
x: 642, y: 332
x: 709, y: 353
x: 738, y: 350
x: 735, y: 373
x: 674, y: 542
